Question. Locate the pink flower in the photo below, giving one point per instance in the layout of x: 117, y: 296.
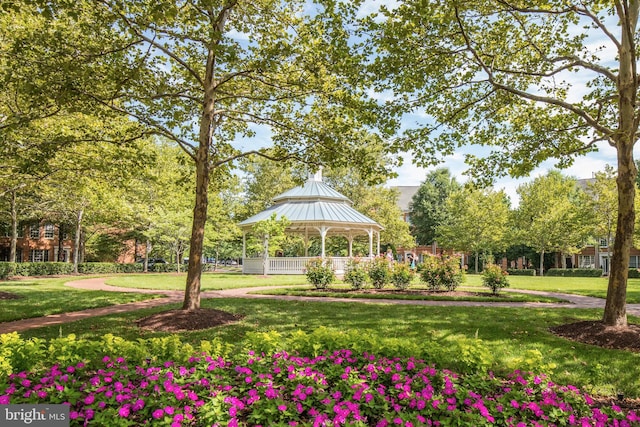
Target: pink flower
x: 124, y: 411
x: 157, y: 414
x: 282, y: 408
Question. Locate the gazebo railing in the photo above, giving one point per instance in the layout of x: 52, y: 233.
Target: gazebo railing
x: 287, y: 265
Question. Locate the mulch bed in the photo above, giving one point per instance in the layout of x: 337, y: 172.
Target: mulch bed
x: 598, y: 334
x: 187, y: 320
x: 9, y: 295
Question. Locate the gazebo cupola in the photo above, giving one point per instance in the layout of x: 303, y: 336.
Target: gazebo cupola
x: 312, y: 209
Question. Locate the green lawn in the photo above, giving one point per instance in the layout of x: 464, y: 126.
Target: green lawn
x: 508, y: 332
x: 343, y: 291
x: 210, y: 281
x: 42, y: 297
x: 589, y: 286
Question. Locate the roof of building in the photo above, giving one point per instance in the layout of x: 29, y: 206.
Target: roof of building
x: 315, y: 204
x: 406, y: 193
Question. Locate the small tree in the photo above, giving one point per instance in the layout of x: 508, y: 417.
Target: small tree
x: 495, y: 278
x: 401, y: 275
x: 379, y: 272
x: 355, y: 273
x: 319, y: 272
x: 441, y: 271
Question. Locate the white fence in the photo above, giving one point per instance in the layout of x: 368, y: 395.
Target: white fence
x: 286, y: 265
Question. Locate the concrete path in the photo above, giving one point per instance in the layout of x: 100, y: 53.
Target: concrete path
x: 175, y: 297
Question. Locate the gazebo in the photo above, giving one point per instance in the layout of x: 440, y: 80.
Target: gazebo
x: 311, y: 209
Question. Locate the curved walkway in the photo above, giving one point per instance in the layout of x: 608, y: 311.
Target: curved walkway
x: 174, y: 297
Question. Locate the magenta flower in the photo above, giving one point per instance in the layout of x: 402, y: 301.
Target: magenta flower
x: 158, y: 413
x: 124, y: 411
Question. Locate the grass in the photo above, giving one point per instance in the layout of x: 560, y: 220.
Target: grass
x: 508, y: 332
x: 209, y: 281
x: 344, y: 292
x: 588, y: 286
x: 43, y: 297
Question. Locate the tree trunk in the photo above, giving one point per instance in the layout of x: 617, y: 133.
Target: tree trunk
x: 194, y: 270
x: 76, y: 241
x: 60, y: 243
x: 541, y: 263
x: 147, y: 250
x: 615, y: 311
x: 14, y: 228
x: 477, y: 262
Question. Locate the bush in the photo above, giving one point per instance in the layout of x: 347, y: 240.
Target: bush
x: 379, y: 272
x: 521, y: 271
x: 441, y: 271
x: 634, y: 273
x: 108, y: 268
x: 7, y: 269
x: 494, y: 278
x: 575, y: 272
x: 401, y: 275
x: 355, y: 273
x: 320, y: 272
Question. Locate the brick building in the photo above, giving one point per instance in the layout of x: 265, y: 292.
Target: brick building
x: 37, y: 242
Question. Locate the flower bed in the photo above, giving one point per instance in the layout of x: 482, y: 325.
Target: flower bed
x: 339, y: 388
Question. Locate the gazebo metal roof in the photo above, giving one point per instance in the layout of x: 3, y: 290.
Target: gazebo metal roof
x: 315, y: 204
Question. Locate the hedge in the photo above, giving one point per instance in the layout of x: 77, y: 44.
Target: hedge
x: 10, y: 269
x: 575, y: 272
x: 521, y: 272
x: 634, y: 273
x: 108, y: 267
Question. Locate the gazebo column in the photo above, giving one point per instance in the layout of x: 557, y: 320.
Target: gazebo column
x: 323, y: 235
x: 370, y: 233
x: 378, y: 250
x: 306, y: 242
x: 244, y: 250
x: 350, y: 240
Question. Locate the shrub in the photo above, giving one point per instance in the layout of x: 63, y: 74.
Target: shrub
x: 7, y: 269
x: 575, y: 272
x: 441, y: 271
x: 401, y: 275
x: 634, y: 273
x: 355, y: 273
x: 494, y: 278
x: 320, y: 272
x: 379, y: 272
x: 109, y: 267
x: 521, y: 271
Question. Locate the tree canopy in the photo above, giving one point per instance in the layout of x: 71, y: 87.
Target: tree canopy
x: 427, y: 209
x: 528, y: 80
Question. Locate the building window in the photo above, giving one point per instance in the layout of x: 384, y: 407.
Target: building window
x: 634, y: 261
x: 49, y: 231
x: 603, y: 243
x: 34, y: 231
x: 586, y: 261
x: 39, y: 255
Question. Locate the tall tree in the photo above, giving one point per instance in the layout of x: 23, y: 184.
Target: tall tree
x: 477, y: 222
x: 204, y: 73
x: 551, y: 215
x: 427, y: 209
x: 503, y: 73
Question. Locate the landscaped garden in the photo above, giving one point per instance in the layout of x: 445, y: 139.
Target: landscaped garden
x: 316, y: 363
